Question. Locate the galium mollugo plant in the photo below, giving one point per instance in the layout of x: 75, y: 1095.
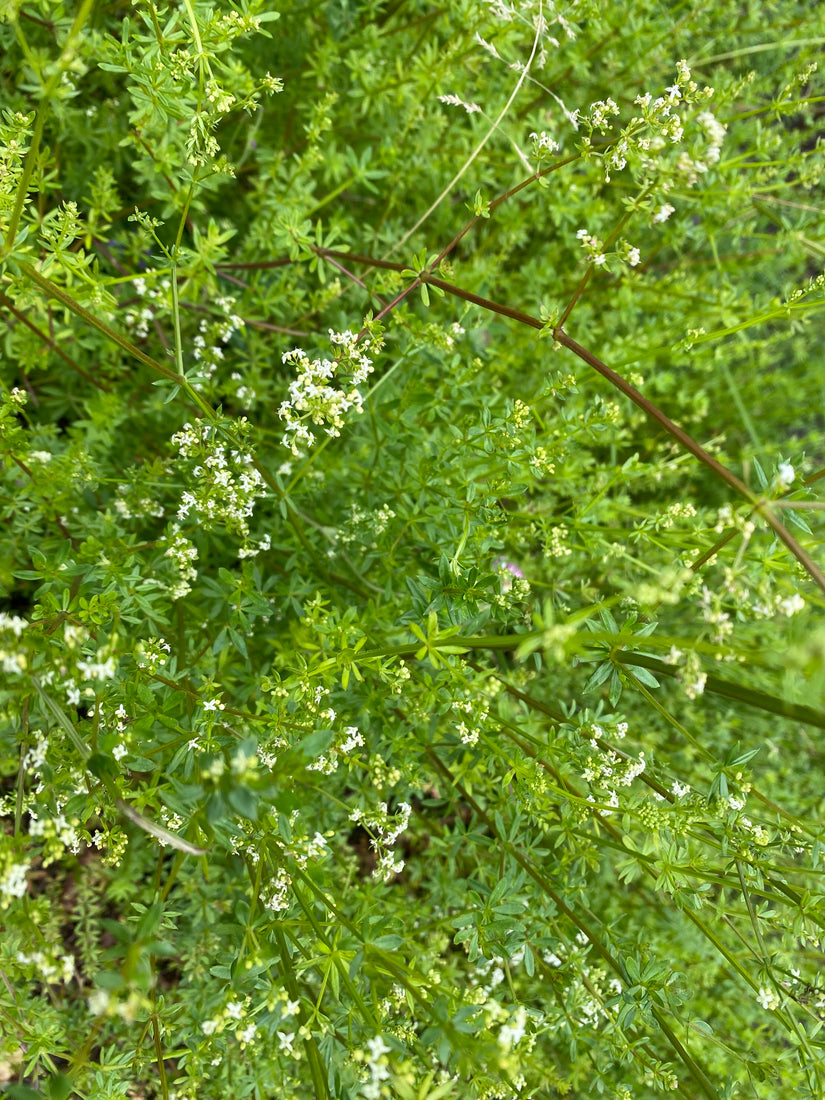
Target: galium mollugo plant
x: 409, y: 559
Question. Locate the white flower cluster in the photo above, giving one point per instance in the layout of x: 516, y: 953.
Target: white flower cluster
x: 541, y: 464
x: 139, y: 319
x: 543, y: 144
x: 511, y: 582
x: 757, y: 833
x: 219, y: 98
x: 362, y: 525
x: 48, y: 968
x: 137, y: 506
x: 212, y: 335
x: 272, y: 84
x: 659, y: 126
x: 201, y: 144
x: 13, y: 623
x: 315, y: 399
x: 227, y: 483
x: 116, y: 721
x: 13, y: 660
x: 600, y: 114
x: 785, y: 477
x: 252, y: 550
x: 556, y: 544
x: 726, y: 517
x: 384, y: 832
x: 619, y: 770
x: 183, y: 553
x: 521, y: 415
x: 97, y: 670
x: 327, y: 764
x: 671, y: 514
x: 790, y: 605
x: 594, y: 248
x: 692, y: 678
x: 710, y: 604
x: 152, y: 654
x: 377, y: 1068
x: 13, y: 883
x: 511, y: 1034
x: 35, y: 756
x: 469, y: 733
x: 278, y: 899
x: 57, y: 832
x: 234, y: 23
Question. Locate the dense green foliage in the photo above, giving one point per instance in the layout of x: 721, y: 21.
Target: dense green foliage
x: 395, y: 702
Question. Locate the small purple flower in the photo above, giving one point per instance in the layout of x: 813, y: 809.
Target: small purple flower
x: 507, y: 566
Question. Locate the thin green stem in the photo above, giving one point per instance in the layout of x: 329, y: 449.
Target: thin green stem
x: 54, y: 291
x: 158, y: 1043
x: 316, y: 1063
x: 481, y: 144
x: 63, y: 62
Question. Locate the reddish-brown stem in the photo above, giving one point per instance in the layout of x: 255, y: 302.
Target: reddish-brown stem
x: 351, y: 276
x: 497, y: 202
x: 588, y: 275
x: 49, y: 342
x: 568, y: 309
x: 638, y: 399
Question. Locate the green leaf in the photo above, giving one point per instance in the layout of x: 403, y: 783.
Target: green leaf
x: 529, y: 960
x: 316, y: 742
x: 797, y: 520
x: 23, y: 1092
x: 244, y: 802
x: 601, y: 673
x: 644, y: 675
x: 762, y: 481
x: 389, y: 942
x: 60, y: 1086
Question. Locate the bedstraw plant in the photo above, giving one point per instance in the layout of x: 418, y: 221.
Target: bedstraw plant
x: 410, y: 550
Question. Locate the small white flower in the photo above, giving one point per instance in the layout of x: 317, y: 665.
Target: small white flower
x: 664, y: 212
x: 376, y: 1047
x: 98, y: 1002
x: 544, y: 141
x: 791, y: 605
x: 785, y: 475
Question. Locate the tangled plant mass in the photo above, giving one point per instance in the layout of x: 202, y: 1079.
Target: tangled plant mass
x: 411, y: 666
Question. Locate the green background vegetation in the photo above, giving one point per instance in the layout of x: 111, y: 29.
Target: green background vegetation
x: 472, y: 750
